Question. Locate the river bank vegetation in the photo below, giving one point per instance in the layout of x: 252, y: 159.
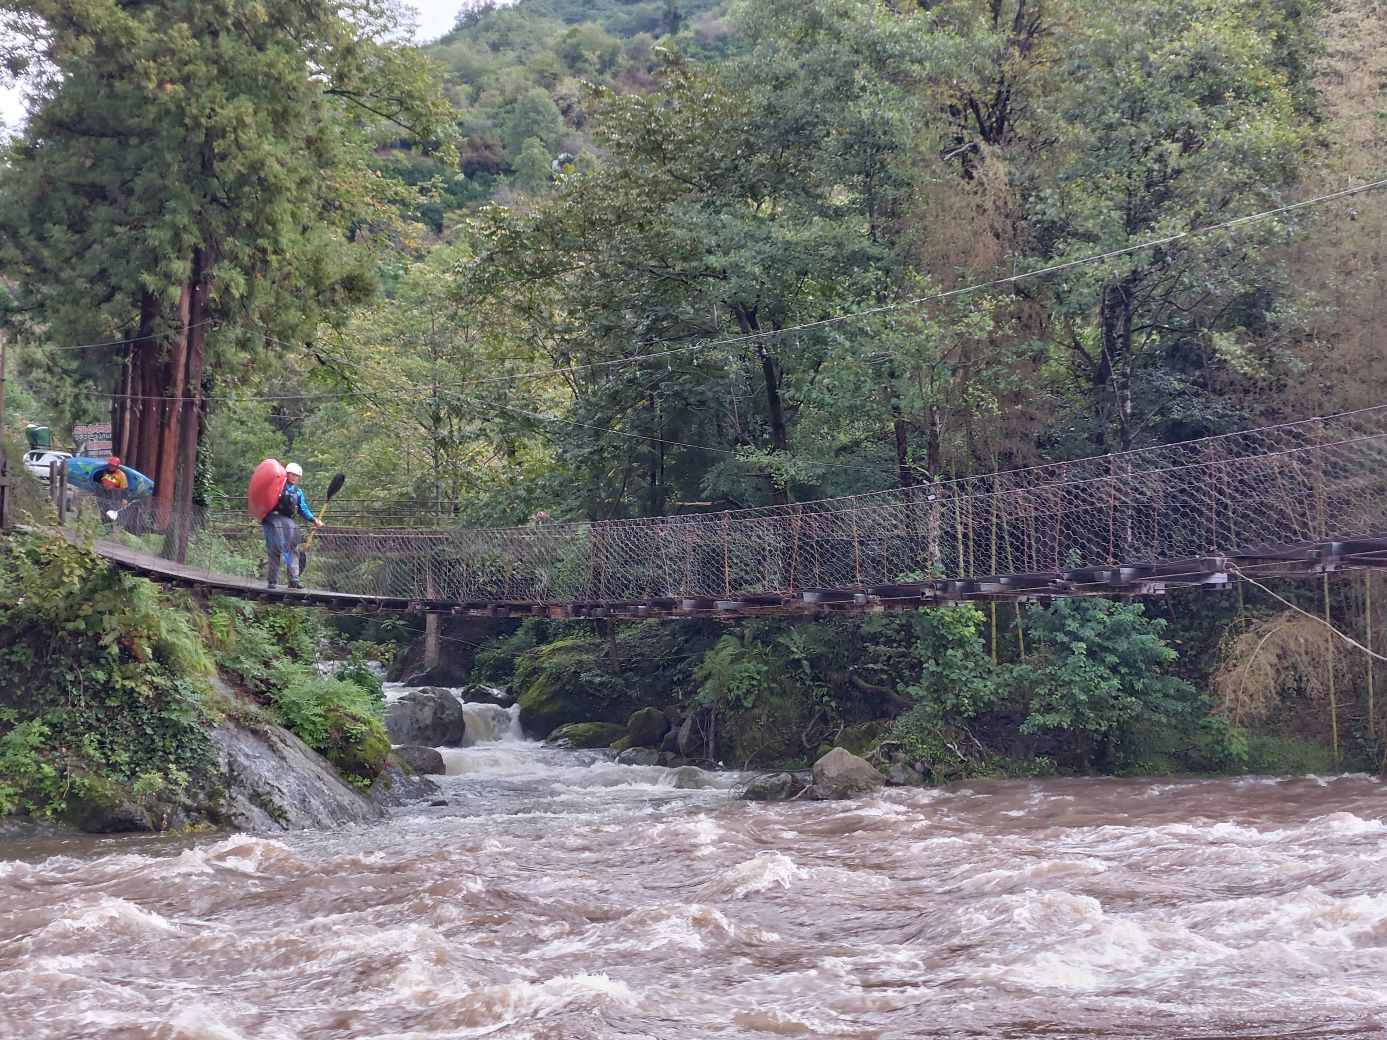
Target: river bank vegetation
x: 599, y: 260
x: 110, y: 692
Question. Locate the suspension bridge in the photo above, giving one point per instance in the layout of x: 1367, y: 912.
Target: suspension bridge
x: 1294, y: 500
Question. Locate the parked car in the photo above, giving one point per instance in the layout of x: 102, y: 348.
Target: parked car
x: 39, y: 460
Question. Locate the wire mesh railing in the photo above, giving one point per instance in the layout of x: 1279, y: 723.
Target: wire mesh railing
x: 1259, y: 490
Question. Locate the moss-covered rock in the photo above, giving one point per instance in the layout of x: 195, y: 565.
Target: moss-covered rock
x: 586, y: 735
x: 647, y: 727
x: 569, y: 681
x: 112, y: 717
x: 356, y: 743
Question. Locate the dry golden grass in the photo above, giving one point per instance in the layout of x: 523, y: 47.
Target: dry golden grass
x: 1279, y: 658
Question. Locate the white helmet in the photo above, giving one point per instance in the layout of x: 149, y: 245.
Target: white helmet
x: 294, y: 468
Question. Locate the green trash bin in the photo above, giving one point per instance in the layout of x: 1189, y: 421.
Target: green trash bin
x: 38, y: 436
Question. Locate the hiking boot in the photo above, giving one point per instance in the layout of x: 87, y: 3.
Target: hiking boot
x: 294, y: 583
x: 271, y: 585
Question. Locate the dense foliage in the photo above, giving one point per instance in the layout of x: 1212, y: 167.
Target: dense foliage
x: 102, y: 686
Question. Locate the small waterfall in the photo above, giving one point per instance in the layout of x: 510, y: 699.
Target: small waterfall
x: 491, y: 723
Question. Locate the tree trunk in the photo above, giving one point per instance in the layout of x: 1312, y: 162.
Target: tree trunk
x: 770, y: 369
x: 1112, y: 378
x: 144, y: 382
x: 775, y: 405
x: 120, y: 408
x: 165, y: 482
x: 192, y: 406
x: 903, y: 474
x: 128, y: 413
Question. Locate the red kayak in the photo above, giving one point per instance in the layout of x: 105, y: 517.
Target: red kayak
x: 266, y: 484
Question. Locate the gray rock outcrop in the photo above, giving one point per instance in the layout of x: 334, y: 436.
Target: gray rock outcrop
x: 274, y: 781
x: 841, y: 774
x: 430, y: 716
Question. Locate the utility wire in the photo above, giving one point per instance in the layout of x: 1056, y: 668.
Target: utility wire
x: 118, y: 342
x: 673, y: 443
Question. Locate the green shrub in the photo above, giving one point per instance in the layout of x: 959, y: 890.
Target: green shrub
x: 102, y: 683
x: 336, y: 718
x: 269, y: 650
x: 947, y: 752
x: 958, y: 679
x: 496, y: 662
x: 357, y: 671
x: 1098, y: 675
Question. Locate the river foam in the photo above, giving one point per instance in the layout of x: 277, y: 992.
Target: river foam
x: 561, y: 894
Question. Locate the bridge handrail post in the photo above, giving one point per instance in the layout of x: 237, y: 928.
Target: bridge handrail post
x: 796, y: 523
x: 1212, y: 465
x: 1059, y: 503
x: 856, y: 546
x: 726, y: 560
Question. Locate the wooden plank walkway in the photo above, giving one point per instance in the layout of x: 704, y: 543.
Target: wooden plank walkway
x: 1296, y: 560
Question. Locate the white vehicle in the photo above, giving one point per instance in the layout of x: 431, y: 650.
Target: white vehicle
x: 39, y: 460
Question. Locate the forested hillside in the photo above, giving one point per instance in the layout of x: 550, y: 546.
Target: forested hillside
x: 602, y: 260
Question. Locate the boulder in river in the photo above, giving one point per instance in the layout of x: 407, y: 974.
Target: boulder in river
x: 451, y: 673
x: 647, y: 727
x: 774, y: 787
x: 397, y: 786
x: 421, y: 759
x: 274, y: 781
x: 107, y: 809
x: 429, y: 716
x: 586, y: 735
x: 904, y: 773
x: 690, y: 741
x: 477, y: 693
x: 841, y: 774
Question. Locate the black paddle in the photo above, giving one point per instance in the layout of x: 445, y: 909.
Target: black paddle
x: 334, y: 486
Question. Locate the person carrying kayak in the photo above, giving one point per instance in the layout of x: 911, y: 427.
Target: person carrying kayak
x: 113, y: 484
x: 283, y: 541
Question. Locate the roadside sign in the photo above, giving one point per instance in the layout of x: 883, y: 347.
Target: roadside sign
x: 92, y: 438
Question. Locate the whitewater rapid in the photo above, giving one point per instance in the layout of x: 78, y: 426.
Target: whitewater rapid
x: 561, y: 895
